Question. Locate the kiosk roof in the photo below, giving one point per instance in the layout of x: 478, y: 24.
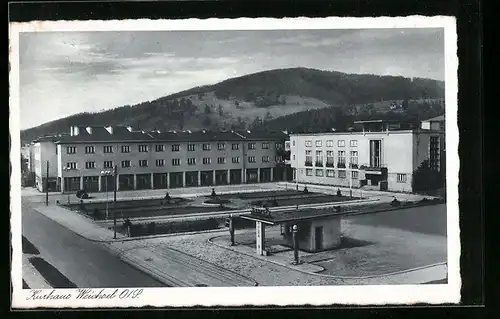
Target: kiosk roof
x: 294, y: 215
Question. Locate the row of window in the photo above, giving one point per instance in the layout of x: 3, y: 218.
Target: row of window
x: 330, y: 157
x: 175, y: 162
x: 331, y: 173
x: 174, y: 148
x: 329, y: 143
x: 401, y: 178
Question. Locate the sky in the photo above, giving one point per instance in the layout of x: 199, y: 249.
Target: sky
x: 63, y: 73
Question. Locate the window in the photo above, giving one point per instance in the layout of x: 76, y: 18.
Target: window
x: 319, y: 172
x: 143, y: 148
x: 342, y: 174
x: 329, y: 143
x: 401, y: 178
x: 108, y: 164
x: 265, y: 146
x: 221, y: 160
x: 293, y: 142
x: 319, y: 158
x: 125, y: 163
x: 206, y: 160
x: 278, y: 145
x: 278, y: 159
x: 191, y: 147
x: 330, y: 173
x: 176, y: 162
x: 251, y: 159
x: 329, y: 159
x: 318, y: 143
x: 89, y: 165
x: 160, y: 148
x: 341, y: 160
x: 206, y: 147
x: 294, y: 157
x: 354, y: 143
x: 251, y: 146
x: 89, y: 150
x: 354, y: 174
x: 71, y: 165
x: 160, y: 163
x: 309, y: 157
x: 70, y: 149
x: 108, y: 149
x: 221, y: 146
x: 235, y: 146
x: 434, y: 153
x: 354, y: 159
x: 192, y: 161
x: 341, y: 143
x: 309, y: 171
x: 176, y: 147
x: 265, y: 159
x: 143, y: 163
x: 309, y: 143
x: 236, y: 160
x: 125, y: 149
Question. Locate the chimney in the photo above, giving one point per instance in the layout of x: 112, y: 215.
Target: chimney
x: 76, y: 130
x: 129, y: 128
x: 109, y: 129
x: 89, y: 130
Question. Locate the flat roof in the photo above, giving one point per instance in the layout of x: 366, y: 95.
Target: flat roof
x: 294, y: 215
x: 122, y: 134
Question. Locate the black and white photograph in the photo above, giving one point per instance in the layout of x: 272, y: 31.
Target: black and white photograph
x: 234, y: 162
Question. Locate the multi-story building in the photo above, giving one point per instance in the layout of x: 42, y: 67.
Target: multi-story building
x: 384, y: 158
x: 157, y: 160
x: 435, y: 124
x: 43, y: 151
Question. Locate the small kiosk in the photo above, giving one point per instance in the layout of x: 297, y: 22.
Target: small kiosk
x: 318, y: 229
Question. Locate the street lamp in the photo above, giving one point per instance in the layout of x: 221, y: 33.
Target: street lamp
x: 67, y: 169
x: 107, y: 173
x: 295, y: 238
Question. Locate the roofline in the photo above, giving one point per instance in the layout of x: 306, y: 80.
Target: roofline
x: 359, y: 132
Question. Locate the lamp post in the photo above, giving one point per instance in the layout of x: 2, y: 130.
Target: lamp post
x: 106, y: 173
x: 295, y: 230
x: 115, y: 172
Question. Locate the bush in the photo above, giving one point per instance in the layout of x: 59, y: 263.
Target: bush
x: 173, y: 227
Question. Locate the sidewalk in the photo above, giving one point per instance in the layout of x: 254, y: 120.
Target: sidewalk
x: 31, y: 276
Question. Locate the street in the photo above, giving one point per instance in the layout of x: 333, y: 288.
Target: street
x: 85, y: 263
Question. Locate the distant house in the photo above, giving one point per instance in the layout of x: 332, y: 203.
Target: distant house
x: 434, y: 124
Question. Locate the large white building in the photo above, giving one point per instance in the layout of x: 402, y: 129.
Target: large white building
x: 157, y: 160
x: 381, y: 158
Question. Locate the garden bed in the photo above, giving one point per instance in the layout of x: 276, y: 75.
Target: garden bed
x: 150, y: 212
x: 304, y: 200
x: 140, y: 203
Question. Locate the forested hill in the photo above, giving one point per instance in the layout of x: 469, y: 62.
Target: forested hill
x: 252, y: 100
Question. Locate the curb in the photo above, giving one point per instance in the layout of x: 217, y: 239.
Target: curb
x: 332, y: 276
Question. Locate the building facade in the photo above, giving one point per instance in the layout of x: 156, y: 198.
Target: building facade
x: 162, y: 160
x: 43, y: 151
x: 382, y: 159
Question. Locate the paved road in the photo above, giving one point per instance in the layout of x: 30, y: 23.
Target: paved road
x: 87, y: 264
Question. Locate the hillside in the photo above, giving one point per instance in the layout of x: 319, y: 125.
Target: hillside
x: 251, y: 100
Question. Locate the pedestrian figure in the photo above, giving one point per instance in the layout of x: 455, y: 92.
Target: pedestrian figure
x: 128, y: 225
x: 339, y: 193
x: 306, y: 190
x: 213, y: 193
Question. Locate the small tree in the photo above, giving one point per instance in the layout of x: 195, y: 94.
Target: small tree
x: 425, y: 178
